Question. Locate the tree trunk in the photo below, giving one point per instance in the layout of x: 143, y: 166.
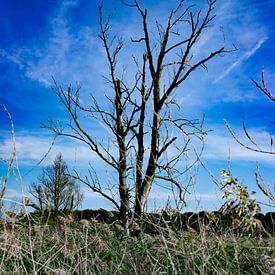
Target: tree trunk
x: 144, y: 190
x: 124, y: 199
x: 122, y: 165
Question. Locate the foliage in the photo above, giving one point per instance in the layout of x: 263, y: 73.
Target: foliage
x: 55, y: 190
x: 239, y: 206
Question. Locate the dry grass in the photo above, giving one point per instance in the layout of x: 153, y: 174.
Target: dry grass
x: 64, y: 246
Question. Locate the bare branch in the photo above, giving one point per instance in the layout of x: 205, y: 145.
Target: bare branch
x: 263, y: 87
x: 137, y: 40
x: 257, y: 149
x: 96, y: 188
x: 13, y: 156
x: 165, y: 146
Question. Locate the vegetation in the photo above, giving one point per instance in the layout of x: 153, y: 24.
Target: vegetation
x: 142, y: 112
x: 55, y: 190
x: 240, y: 208
x: 58, y: 239
x: 72, y: 246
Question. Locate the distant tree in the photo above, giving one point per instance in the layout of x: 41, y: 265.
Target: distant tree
x: 56, y: 190
x: 142, y: 112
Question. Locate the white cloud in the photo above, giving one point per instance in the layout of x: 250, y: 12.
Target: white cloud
x: 14, y: 56
x: 65, y: 55
x: 72, y: 57
x: 32, y: 148
x: 69, y: 57
x: 77, y: 56
x: 218, y: 144
x: 241, y: 59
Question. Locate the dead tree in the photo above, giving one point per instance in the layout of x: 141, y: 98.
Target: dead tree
x: 144, y: 112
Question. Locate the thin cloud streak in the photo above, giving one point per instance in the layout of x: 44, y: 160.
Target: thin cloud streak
x: 241, y: 59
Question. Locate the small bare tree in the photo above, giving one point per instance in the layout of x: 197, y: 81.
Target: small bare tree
x: 150, y: 141
x: 56, y: 190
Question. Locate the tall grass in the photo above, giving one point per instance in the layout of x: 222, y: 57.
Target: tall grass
x: 65, y: 246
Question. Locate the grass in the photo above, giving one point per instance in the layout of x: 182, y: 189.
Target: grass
x: 67, y: 246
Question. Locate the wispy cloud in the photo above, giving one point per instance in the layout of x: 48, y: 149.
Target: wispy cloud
x: 62, y: 53
x: 241, y: 59
x: 32, y: 148
x: 72, y: 55
x: 219, y: 143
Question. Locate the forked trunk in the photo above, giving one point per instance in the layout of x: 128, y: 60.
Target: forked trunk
x: 143, y: 191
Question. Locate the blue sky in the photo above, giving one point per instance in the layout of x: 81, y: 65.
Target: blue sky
x: 41, y: 39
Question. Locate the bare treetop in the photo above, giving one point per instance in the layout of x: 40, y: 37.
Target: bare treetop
x: 148, y: 143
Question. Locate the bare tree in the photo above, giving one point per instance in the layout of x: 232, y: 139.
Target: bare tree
x: 145, y: 112
x: 56, y: 190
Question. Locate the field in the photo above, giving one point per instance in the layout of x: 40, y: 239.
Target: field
x: 161, y: 244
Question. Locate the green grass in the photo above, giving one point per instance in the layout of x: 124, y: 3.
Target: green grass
x: 69, y: 247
